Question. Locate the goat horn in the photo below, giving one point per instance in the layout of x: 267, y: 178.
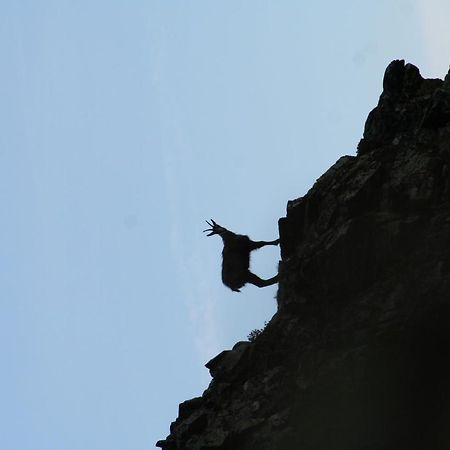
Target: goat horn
x: 208, y: 229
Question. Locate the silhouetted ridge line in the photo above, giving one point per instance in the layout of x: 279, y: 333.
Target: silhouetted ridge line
x: 356, y: 356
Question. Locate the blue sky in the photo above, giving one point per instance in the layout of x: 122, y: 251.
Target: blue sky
x: 125, y: 126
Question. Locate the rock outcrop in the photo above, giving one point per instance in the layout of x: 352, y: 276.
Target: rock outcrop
x: 358, y: 354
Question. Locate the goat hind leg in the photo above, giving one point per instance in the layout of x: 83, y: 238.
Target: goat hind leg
x: 259, y: 282
x: 254, y: 245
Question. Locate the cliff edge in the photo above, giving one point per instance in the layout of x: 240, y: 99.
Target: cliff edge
x: 358, y: 354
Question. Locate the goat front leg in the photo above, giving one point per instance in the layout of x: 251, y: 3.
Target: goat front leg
x: 259, y: 282
x: 254, y: 245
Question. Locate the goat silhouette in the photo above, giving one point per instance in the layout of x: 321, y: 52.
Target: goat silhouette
x: 236, y: 258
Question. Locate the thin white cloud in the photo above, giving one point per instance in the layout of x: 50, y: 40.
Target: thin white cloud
x: 191, y: 272
x: 434, y: 16
x: 202, y: 304
x: 198, y: 293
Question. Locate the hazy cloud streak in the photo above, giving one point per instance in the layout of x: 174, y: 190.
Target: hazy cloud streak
x: 434, y: 16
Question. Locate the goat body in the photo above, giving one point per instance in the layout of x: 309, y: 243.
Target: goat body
x: 236, y: 258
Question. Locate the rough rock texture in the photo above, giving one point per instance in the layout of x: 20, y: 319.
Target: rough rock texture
x: 358, y: 354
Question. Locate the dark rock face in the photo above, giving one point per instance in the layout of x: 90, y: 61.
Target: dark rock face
x: 408, y: 104
x: 358, y: 354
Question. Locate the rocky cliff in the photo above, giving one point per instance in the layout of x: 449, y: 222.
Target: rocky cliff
x: 358, y: 354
